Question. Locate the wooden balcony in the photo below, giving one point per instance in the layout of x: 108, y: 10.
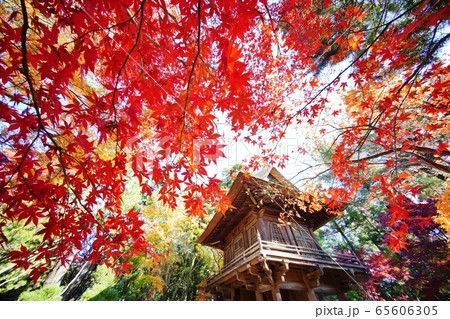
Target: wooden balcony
x: 267, y: 251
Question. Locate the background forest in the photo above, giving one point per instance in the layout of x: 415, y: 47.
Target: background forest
x: 177, y: 274
x: 114, y: 116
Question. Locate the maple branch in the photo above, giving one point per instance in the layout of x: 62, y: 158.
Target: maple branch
x: 105, y: 28
x: 25, y: 69
x: 26, y: 72
x: 431, y: 50
x: 407, y: 164
x: 315, y: 176
x: 34, y: 194
x: 367, y: 134
x: 78, y: 97
x: 273, y: 28
x: 370, y: 126
x: 363, y: 52
x: 427, y: 162
x: 66, y: 179
x: 168, y: 13
x: 13, y: 98
x: 141, y: 9
x: 37, y: 197
x: 373, y: 124
x: 424, y: 160
x: 86, y: 171
x: 430, y: 163
x: 337, y: 76
x: 430, y: 150
x: 362, y: 127
x: 191, y: 74
x: 22, y: 160
x: 384, y: 15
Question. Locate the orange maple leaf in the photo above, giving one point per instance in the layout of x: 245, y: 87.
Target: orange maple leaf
x: 314, y: 83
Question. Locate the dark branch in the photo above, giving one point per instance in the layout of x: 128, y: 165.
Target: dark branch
x: 34, y: 194
x: 431, y: 50
x: 191, y: 74
x: 113, y: 102
x: 431, y: 163
x: 105, y: 28
x: 42, y: 127
x: 22, y: 160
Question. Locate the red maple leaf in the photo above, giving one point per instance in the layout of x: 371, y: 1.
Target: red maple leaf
x: 425, y: 221
x: 398, y: 213
x: 396, y: 243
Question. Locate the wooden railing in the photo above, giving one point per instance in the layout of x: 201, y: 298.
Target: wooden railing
x: 242, y: 256
x: 288, y: 252
x: 308, y: 254
x: 254, y: 249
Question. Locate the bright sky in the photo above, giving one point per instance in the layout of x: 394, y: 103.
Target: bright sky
x: 237, y: 152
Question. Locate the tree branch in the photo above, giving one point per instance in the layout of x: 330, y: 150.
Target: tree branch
x: 431, y: 50
x: 191, y: 74
x: 26, y: 73
x: 22, y: 160
x: 431, y: 163
x: 113, y: 102
x: 105, y: 28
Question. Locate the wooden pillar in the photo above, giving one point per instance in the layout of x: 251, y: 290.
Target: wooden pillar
x: 312, y: 295
x: 276, y: 295
x: 259, y: 296
x: 340, y: 294
x: 261, y: 226
x: 232, y: 294
x: 339, y: 291
x: 309, y: 291
x: 225, y: 292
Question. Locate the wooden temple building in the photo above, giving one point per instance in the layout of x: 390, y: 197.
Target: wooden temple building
x: 266, y: 257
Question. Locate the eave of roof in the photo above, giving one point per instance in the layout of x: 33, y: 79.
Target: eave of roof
x: 218, y: 216
x: 238, y: 197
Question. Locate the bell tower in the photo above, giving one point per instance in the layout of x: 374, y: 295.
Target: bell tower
x: 269, y: 248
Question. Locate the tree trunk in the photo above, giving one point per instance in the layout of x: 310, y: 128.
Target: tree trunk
x: 188, y: 279
x: 384, y: 293
x: 74, y: 289
x: 56, y: 274
x: 348, y: 242
x: 7, y: 269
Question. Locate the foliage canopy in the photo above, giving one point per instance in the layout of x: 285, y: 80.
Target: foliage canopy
x: 93, y: 92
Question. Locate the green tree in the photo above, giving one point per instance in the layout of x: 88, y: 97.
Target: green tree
x: 14, y: 281
x: 185, y: 263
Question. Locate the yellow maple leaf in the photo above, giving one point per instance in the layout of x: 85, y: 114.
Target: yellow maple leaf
x: 443, y: 211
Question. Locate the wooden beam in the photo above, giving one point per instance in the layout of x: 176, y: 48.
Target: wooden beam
x: 254, y: 273
x: 232, y: 295
x: 249, y: 193
x: 338, y: 286
x: 225, y: 291
x: 240, y: 277
x: 248, y: 282
x: 284, y: 269
x: 268, y: 272
x: 313, y: 277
